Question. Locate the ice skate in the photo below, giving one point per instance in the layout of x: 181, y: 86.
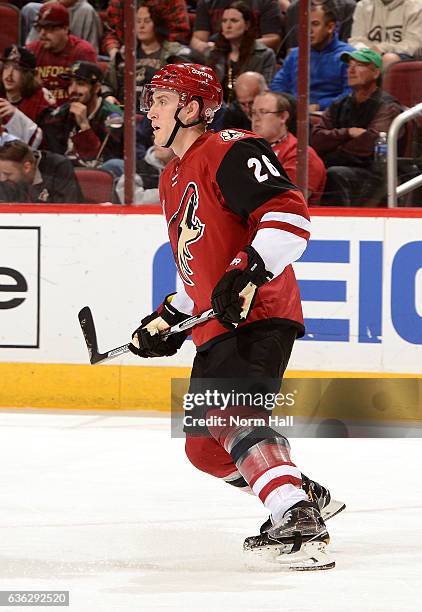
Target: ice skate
x: 321, y: 496
x: 328, y: 507
x: 298, y: 541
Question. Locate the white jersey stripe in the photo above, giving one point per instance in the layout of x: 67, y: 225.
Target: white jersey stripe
x: 297, y: 220
x: 278, y: 248
x: 182, y: 302
x: 279, y: 470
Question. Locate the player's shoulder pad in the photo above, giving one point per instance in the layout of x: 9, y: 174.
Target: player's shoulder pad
x: 229, y: 140
x: 226, y: 138
x: 250, y: 175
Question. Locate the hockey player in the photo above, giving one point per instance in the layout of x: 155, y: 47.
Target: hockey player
x: 236, y: 223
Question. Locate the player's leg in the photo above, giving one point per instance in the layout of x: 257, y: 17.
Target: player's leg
x: 208, y: 456
x: 258, y: 454
x: 261, y: 454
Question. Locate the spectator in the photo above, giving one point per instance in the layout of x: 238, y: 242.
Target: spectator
x: 22, y: 99
x: 391, y: 28
x: 152, y: 53
x: 186, y: 55
x: 237, y: 50
x: 328, y: 75
x: 81, y: 128
x: 344, y: 10
x: 156, y: 158
x: 270, y: 114
x: 84, y: 21
x: 238, y: 114
x: 347, y: 131
x: 208, y: 22
x: 57, y: 49
x: 48, y: 177
x: 173, y: 12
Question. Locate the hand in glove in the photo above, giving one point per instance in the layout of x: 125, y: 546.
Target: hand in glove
x: 234, y: 294
x: 147, y: 339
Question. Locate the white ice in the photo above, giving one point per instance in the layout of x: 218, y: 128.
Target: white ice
x: 108, y: 507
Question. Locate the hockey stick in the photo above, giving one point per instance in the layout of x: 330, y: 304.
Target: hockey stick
x: 86, y: 322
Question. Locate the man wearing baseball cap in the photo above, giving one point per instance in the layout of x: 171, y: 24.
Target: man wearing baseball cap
x: 87, y: 128
x: 347, y: 130
x: 22, y: 99
x: 57, y: 49
x: 83, y: 20
x: 366, y: 56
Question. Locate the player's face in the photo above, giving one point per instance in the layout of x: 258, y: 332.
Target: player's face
x: 12, y: 171
x: 233, y: 26
x: 361, y: 74
x: 11, y: 77
x: 162, y: 111
x: 54, y: 38
x: 144, y: 25
x: 267, y: 121
x: 80, y: 91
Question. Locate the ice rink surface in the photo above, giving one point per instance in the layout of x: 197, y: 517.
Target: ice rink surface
x: 108, y: 507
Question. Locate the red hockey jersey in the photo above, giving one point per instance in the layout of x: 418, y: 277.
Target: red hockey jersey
x: 227, y: 187
x: 33, y: 106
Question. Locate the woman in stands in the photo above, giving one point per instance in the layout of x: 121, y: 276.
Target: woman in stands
x: 237, y: 50
x: 153, y: 51
x: 23, y: 100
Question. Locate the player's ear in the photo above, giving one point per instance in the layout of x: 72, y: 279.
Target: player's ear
x: 192, y: 110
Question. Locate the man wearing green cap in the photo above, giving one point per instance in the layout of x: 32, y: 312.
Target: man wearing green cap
x: 347, y: 130
x: 390, y: 27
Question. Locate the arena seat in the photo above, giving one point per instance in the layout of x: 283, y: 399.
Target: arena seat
x: 403, y: 80
x: 96, y: 185
x: 10, y: 18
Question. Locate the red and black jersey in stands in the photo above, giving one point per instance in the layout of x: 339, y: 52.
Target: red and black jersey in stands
x: 51, y: 65
x: 228, y: 186
x: 34, y: 105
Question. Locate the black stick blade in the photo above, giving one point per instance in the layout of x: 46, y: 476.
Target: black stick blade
x: 88, y: 329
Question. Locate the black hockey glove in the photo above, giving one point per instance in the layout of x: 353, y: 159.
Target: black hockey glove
x: 147, y: 340
x: 234, y: 295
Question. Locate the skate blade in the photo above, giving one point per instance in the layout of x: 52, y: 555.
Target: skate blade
x: 332, y: 509
x: 311, y: 556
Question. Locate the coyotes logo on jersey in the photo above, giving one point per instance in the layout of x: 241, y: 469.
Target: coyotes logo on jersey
x: 189, y: 230
x: 229, y: 134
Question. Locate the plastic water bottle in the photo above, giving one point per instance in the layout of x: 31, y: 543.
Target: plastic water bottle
x: 380, y: 150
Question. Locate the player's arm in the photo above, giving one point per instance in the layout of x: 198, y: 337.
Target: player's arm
x: 255, y: 187
x: 147, y: 340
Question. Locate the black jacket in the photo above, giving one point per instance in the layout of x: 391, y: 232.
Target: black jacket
x: 12, y: 192
x: 59, y: 126
x: 55, y: 180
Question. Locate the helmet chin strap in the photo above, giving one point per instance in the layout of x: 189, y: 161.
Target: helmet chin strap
x: 180, y: 124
